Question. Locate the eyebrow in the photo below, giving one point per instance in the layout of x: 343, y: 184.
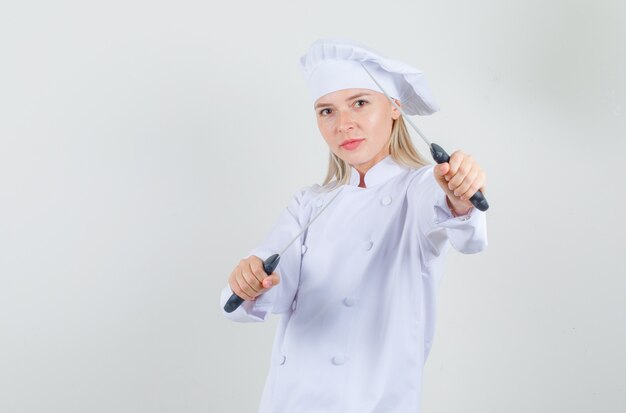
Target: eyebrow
x: 320, y: 105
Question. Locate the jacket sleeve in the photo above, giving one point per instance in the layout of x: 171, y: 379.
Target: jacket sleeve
x: 466, y: 233
x: 279, y: 298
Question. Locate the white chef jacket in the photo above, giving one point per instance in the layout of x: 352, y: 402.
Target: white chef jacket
x: 358, y: 291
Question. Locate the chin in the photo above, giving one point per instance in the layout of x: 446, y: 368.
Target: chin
x: 356, y: 159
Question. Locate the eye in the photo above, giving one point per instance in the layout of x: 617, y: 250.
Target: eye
x: 362, y: 100
x: 322, y: 111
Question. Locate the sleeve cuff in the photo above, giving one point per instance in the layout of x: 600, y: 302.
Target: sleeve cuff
x: 467, y: 233
x: 443, y: 214
x: 248, y: 311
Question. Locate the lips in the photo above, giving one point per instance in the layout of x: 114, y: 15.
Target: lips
x: 348, y: 141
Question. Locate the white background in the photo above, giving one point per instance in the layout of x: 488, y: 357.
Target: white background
x: 145, y: 147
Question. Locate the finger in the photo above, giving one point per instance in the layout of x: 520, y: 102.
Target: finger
x: 253, y: 285
x: 441, y: 169
x: 256, y: 268
x: 240, y: 291
x: 461, y: 173
x: 249, y: 268
x: 243, y: 278
x: 275, y: 278
x: 466, y: 183
x: 475, y: 187
x: 271, y: 280
x: 455, y: 161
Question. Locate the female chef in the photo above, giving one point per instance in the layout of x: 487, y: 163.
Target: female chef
x: 357, y: 290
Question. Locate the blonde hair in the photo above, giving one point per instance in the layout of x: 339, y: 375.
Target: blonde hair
x: 401, y: 150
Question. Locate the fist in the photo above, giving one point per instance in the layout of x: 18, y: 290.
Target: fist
x: 249, y: 280
x: 460, y: 178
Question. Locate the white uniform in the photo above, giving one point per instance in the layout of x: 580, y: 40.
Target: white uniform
x: 358, y: 292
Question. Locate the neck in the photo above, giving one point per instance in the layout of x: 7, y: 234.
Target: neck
x: 366, y: 166
x: 362, y: 183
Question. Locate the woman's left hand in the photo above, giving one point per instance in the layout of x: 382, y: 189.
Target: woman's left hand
x: 460, y: 178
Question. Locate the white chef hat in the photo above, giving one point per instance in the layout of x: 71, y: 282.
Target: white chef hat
x: 334, y: 63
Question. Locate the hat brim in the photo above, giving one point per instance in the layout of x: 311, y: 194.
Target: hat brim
x: 416, y: 97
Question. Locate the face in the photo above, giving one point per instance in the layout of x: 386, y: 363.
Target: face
x: 356, y: 114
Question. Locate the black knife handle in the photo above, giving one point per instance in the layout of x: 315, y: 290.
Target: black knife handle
x: 269, y: 265
x: 440, y: 156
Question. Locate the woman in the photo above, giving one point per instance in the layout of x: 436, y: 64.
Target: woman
x: 357, y: 290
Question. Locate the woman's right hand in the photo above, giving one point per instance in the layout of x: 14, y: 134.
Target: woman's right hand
x: 249, y: 280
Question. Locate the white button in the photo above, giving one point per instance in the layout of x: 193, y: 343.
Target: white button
x: 319, y: 202
x: 282, y: 360
x: 304, y: 248
x: 367, y: 245
x: 293, y: 305
x: 339, y: 359
x: 386, y: 200
x: 349, y: 301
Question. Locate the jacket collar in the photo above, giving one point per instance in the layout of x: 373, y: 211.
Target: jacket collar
x: 381, y: 172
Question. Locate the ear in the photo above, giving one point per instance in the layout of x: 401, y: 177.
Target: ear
x: 395, y: 113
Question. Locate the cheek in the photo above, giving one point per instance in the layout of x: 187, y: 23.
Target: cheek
x: 325, y: 131
x: 380, y: 125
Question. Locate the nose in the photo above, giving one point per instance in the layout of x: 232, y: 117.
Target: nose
x: 344, y: 121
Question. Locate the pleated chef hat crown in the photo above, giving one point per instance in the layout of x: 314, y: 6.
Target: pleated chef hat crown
x: 334, y: 64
